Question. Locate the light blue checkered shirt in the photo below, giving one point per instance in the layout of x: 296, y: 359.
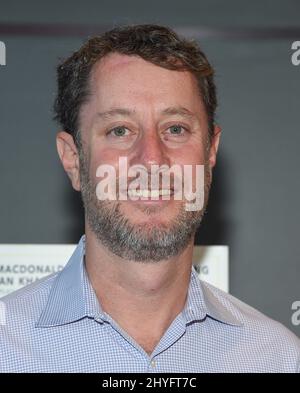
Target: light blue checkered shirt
x: 57, y: 325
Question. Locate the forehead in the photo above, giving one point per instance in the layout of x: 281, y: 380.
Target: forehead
x: 117, y: 77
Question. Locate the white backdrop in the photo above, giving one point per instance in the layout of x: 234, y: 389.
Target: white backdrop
x: 22, y: 264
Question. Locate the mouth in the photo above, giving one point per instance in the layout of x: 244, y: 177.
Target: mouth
x: 152, y: 194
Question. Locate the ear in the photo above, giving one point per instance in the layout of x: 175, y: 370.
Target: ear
x: 214, y: 146
x: 69, y: 157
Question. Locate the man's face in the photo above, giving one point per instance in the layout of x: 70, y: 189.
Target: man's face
x: 150, y: 116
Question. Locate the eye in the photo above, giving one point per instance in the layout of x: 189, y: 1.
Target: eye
x: 176, y: 133
x: 118, y: 131
x: 177, y: 129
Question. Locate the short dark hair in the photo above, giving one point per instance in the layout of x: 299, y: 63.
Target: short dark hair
x: 157, y: 44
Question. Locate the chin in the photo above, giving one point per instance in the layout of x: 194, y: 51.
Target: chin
x: 150, y: 212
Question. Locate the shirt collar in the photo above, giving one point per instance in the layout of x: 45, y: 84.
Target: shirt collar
x: 201, y: 302
x: 72, y: 298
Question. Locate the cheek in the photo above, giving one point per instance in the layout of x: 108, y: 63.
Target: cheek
x: 189, y: 155
x: 187, y: 158
x: 105, y: 158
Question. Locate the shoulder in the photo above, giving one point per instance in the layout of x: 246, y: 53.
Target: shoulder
x: 25, y: 305
x: 257, y: 328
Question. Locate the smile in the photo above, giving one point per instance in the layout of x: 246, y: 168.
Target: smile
x: 149, y: 193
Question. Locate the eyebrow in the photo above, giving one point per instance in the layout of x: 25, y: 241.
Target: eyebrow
x: 170, y: 111
x: 179, y: 110
x: 115, y: 112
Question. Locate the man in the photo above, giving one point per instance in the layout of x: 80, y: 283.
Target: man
x: 129, y: 299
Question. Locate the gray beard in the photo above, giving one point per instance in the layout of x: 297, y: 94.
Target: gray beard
x: 140, y: 243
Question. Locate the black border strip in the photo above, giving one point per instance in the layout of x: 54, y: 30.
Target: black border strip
x: 76, y: 30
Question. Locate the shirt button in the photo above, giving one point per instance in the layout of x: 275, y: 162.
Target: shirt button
x: 153, y: 363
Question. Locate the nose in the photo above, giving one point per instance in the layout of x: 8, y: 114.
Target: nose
x: 149, y: 150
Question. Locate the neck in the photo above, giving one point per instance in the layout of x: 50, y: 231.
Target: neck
x: 133, y: 292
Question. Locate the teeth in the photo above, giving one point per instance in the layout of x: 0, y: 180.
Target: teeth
x: 164, y: 192
x: 148, y: 193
